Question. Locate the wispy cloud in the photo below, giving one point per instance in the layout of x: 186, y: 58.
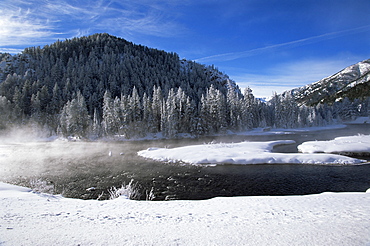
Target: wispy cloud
x: 32, y: 22
x: 18, y: 26
x: 294, y: 43
x: 10, y: 50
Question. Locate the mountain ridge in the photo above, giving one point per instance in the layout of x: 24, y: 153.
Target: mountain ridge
x: 352, y: 82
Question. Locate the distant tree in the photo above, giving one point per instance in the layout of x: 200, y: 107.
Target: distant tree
x: 157, y: 99
x: 74, y: 118
x: 147, y: 117
x: 249, y: 114
x: 5, y: 112
x: 111, y: 119
x: 96, y: 129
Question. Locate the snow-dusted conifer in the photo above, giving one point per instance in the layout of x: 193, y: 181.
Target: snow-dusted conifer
x: 156, y: 108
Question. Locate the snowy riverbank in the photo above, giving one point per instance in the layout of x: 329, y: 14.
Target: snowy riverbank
x: 28, y: 218
x: 245, y: 153
x: 359, y: 145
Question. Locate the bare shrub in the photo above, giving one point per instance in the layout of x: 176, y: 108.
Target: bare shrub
x: 130, y: 191
x: 42, y: 186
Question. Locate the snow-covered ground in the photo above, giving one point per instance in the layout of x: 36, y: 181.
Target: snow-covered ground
x: 241, y: 153
x: 28, y: 218
x: 359, y: 144
x: 281, y: 131
x: 360, y: 120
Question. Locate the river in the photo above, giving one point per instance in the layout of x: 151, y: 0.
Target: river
x: 88, y: 170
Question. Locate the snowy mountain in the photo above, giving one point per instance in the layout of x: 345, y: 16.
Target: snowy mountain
x: 352, y: 82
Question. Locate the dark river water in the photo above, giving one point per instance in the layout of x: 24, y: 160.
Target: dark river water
x: 88, y: 170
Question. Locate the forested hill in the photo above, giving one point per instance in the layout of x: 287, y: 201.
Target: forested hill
x: 102, y: 86
x: 102, y: 62
x: 40, y: 81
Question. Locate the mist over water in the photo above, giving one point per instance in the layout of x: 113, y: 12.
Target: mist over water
x: 88, y: 170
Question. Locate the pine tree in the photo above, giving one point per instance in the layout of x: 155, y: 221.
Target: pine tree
x: 74, y: 118
x: 35, y: 108
x: 17, y: 108
x: 5, y: 112
x: 96, y: 130
x: 147, y: 114
x: 25, y: 101
x: 111, y: 119
x: 171, y: 116
x: 202, y: 125
x: 233, y: 108
x: 157, y: 108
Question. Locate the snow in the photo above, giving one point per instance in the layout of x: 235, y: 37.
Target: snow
x: 280, y: 131
x: 241, y: 153
x: 361, y: 120
x: 363, y: 67
x: 359, y: 144
x: 28, y: 218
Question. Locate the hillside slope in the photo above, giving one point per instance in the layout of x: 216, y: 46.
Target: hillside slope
x: 102, y: 83
x: 352, y: 82
x: 101, y: 62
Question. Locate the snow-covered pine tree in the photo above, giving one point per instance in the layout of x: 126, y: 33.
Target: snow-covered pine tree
x: 5, y: 112
x: 157, y: 99
x: 74, y: 118
x: 248, y: 115
x: 111, y: 120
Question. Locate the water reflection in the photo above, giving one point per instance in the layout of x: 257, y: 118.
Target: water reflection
x: 89, y: 170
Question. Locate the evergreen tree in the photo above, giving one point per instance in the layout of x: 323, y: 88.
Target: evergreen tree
x: 96, y: 130
x: 157, y: 108
x: 74, y: 118
x: 111, y: 119
x: 5, y: 112
x: 147, y: 114
x: 249, y: 115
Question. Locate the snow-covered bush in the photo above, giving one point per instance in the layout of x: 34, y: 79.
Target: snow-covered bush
x: 130, y: 191
x: 42, y: 186
x: 150, y: 195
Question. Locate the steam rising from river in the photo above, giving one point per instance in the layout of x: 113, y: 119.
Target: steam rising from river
x: 86, y: 169
x: 27, y: 133
x: 28, y: 152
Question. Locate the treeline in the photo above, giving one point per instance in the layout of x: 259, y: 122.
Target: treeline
x: 132, y: 116
x: 104, y: 86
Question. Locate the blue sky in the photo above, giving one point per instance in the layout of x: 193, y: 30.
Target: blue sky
x: 268, y: 45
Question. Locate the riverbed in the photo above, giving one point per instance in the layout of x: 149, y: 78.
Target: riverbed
x: 88, y: 170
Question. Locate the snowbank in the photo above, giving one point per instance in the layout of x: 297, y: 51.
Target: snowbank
x: 360, y: 120
x: 28, y: 218
x: 282, y: 131
x: 241, y: 153
x: 359, y: 144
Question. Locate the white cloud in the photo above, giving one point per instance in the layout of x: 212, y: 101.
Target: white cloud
x: 131, y: 23
x: 10, y: 50
x: 18, y: 26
